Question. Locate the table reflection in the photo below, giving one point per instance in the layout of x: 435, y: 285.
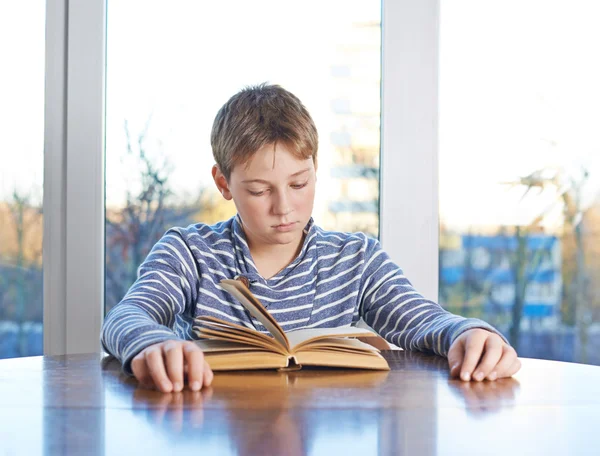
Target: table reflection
x: 481, y: 398
x: 259, y: 412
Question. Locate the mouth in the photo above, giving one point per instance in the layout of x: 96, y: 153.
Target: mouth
x: 284, y: 226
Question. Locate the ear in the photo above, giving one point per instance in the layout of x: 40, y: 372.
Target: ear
x: 221, y: 183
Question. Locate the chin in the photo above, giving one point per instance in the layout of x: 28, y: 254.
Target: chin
x: 286, y: 238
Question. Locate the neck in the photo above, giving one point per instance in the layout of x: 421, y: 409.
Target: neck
x: 271, y: 259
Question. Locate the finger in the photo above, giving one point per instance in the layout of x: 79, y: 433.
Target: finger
x: 138, y: 367
x: 156, y: 366
x: 174, y: 363
x: 455, y: 356
x: 509, y: 356
x: 473, y: 350
x: 147, y: 383
x: 208, y: 374
x: 195, y: 362
x: 493, y: 353
x: 513, y: 369
x: 141, y: 372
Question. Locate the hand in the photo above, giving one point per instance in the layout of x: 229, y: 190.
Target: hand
x: 163, y: 366
x: 479, y: 354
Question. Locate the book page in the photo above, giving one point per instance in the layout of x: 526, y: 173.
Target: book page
x: 338, y: 344
x: 302, y: 337
x: 243, y: 360
x: 345, y: 360
x: 271, y: 345
x: 222, y: 346
x: 217, y: 324
x: 256, y: 309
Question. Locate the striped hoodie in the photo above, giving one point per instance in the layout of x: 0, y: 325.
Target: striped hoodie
x: 336, y: 279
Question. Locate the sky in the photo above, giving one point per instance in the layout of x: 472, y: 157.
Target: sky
x: 518, y: 90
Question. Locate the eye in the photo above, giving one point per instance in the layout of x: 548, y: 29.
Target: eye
x: 260, y: 193
x: 299, y: 186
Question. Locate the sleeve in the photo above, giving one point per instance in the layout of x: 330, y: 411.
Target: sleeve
x: 165, y: 287
x: 396, y: 311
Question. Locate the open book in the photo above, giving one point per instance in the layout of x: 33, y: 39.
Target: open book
x: 228, y: 346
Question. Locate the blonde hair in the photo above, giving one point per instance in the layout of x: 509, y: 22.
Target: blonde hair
x: 258, y: 116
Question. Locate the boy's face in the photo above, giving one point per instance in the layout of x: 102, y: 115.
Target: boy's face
x: 273, y: 193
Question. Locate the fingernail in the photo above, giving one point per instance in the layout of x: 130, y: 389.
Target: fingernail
x: 465, y: 376
x: 454, y: 367
x: 493, y: 376
x: 195, y: 386
x: 176, y: 387
x: 478, y: 376
x: 166, y: 386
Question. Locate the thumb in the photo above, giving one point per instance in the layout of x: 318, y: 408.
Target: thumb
x: 456, y: 355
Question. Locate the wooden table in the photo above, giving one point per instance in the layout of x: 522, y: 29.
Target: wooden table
x: 82, y: 404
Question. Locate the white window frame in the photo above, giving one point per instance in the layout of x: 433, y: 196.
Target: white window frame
x: 73, y: 251
x: 74, y: 160
x: 409, y: 208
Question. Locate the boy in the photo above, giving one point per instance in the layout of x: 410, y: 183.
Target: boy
x: 265, y: 147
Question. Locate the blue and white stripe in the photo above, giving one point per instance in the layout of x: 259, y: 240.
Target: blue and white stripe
x: 336, y: 279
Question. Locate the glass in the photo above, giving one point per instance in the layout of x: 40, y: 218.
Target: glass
x: 22, y: 47
x: 166, y: 82
x: 520, y: 172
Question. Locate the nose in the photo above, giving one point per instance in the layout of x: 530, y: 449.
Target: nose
x: 282, y: 204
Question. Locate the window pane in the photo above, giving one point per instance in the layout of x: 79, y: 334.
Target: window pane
x: 166, y: 82
x: 21, y: 174
x: 520, y: 171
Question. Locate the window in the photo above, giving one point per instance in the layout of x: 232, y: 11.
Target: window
x: 519, y: 169
x: 166, y: 81
x: 21, y: 174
